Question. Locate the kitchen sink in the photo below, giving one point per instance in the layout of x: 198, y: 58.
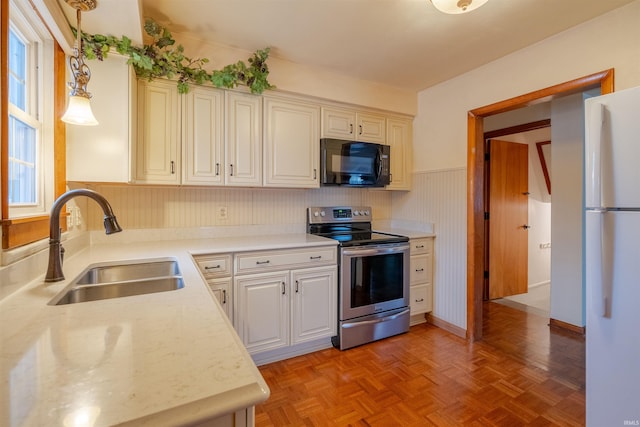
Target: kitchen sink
x: 106, y: 281
x: 127, y: 272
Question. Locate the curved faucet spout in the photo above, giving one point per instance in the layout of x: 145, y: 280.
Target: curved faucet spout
x: 54, y: 270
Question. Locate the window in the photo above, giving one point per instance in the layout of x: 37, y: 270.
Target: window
x: 32, y: 88
x: 28, y: 66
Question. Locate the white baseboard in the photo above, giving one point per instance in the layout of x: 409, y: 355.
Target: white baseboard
x: 535, y: 285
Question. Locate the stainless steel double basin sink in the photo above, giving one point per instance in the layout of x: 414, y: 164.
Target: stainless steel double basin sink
x: 115, y: 280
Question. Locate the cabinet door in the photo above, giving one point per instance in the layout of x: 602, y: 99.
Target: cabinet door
x: 399, y: 139
x: 292, y: 143
x: 221, y: 289
x: 157, y: 155
x: 243, y: 153
x: 338, y: 123
x: 103, y: 153
x: 371, y: 128
x: 262, y: 310
x: 203, y: 132
x: 314, y: 309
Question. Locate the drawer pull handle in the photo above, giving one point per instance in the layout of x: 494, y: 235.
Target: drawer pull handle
x: 297, y: 283
x: 419, y: 246
x: 224, y: 296
x: 283, y: 288
x: 212, y: 267
x: 316, y: 257
x: 419, y: 270
x: 420, y: 300
x: 262, y: 262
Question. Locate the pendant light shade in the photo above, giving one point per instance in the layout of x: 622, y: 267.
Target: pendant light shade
x: 457, y: 6
x: 79, y: 112
x: 79, y: 108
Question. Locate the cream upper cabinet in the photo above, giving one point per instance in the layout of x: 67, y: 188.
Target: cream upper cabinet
x: 292, y: 143
x: 203, y: 123
x: 343, y: 123
x: 399, y: 137
x: 158, y: 144
x: 102, y: 153
x: 243, y: 153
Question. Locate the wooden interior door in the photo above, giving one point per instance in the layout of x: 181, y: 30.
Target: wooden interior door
x: 508, y: 216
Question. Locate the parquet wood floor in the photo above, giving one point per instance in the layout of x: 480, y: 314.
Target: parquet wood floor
x: 521, y: 374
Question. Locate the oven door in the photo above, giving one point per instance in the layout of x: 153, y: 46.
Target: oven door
x: 373, y: 279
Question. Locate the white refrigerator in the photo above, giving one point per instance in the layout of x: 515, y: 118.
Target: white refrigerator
x: 612, y: 258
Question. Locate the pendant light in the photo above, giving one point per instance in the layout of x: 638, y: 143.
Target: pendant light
x: 457, y: 6
x: 79, y: 108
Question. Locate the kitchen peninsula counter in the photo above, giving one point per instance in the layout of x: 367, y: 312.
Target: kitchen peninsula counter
x: 166, y: 358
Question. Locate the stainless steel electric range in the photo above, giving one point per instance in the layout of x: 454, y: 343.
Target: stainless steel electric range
x: 373, y: 284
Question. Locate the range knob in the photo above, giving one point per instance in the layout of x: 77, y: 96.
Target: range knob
x: 316, y: 214
x: 366, y: 213
x: 322, y: 213
x: 356, y: 213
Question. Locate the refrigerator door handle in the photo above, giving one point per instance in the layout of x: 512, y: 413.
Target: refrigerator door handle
x: 594, y: 188
x: 605, y: 246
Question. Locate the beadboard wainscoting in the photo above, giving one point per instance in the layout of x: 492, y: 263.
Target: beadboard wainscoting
x: 146, y: 207
x: 439, y: 197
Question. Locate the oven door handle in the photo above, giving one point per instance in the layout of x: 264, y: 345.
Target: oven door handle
x: 380, y: 320
x: 374, y: 251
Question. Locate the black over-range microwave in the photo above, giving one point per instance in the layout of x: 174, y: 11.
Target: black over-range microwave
x: 353, y: 163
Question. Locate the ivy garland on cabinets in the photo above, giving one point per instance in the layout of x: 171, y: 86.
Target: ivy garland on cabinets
x: 162, y: 59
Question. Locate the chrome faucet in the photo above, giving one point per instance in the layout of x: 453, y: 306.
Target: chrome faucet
x: 54, y: 270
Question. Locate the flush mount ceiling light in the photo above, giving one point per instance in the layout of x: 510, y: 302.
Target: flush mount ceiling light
x: 79, y: 109
x: 457, y: 6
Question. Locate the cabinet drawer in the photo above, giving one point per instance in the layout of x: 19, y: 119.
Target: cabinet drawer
x: 252, y: 262
x: 421, y: 299
x: 421, y: 246
x: 420, y: 269
x: 213, y: 266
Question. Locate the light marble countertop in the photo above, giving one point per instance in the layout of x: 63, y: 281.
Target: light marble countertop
x: 166, y: 358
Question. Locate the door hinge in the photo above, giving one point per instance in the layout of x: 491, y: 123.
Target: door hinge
x: 486, y: 274
x: 486, y: 216
x: 486, y: 157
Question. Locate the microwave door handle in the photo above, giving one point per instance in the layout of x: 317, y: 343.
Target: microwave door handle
x: 379, y: 176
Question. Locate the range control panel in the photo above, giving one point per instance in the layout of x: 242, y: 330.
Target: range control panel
x: 328, y: 214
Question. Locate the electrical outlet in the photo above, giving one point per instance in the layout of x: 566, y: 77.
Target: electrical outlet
x: 222, y: 212
x: 69, y: 217
x: 78, y: 217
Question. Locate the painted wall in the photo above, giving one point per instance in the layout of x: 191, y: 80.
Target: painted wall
x: 440, y: 127
x: 567, y: 158
x: 303, y: 79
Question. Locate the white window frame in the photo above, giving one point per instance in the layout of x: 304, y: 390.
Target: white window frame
x: 39, y: 113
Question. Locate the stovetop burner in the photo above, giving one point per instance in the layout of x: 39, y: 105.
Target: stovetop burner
x: 349, y: 225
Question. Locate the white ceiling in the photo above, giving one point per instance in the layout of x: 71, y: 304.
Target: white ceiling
x: 402, y: 43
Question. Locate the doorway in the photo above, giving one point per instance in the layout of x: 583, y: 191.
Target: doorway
x: 523, y: 248
x: 476, y: 185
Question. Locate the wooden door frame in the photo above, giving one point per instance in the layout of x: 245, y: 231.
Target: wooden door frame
x: 476, y: 184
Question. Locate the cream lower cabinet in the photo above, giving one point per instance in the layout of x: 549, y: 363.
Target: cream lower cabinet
x: 291, y: 143
x: 285, y: 298
x: 280, y: 309
x: 217, y: 270
x: 421, y: 278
